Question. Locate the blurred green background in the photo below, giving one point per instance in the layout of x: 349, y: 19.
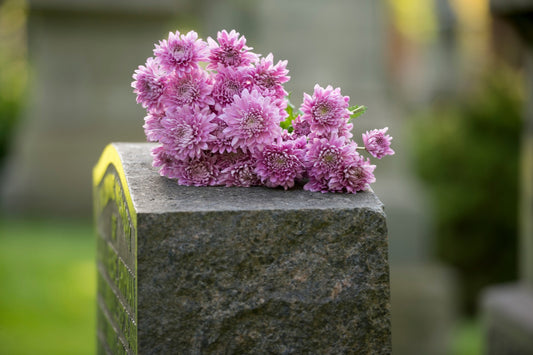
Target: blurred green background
x: 467, y: 151
x: 47, y: 265
x: 48, y: 287
x: 13, y: 69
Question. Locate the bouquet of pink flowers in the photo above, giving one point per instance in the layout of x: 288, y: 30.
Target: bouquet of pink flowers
x: 222, y: 117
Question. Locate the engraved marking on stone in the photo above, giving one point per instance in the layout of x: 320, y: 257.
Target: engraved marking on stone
x: 110, y: 190
x: 118, y: 313
x: 117, y: 264
x: 118, y: 335
x: 110, y: 157
x: 107, y: 338
x: 101, y: 333
x: 126, y: 295
x: 117, y: 294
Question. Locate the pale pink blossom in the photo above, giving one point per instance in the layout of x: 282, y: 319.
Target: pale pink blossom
x: 166, y: 161
x: 300, y: 126
x: 149, y: 84
x: 353, y: 176
x: 253, y: 121
x: 268, y: 78
x: 377, y: 142
x: 198, y: 171
x: 152, y: 126
x: 241, y: 173
x: 187, y: 131
x: 221, y: 142
x: 317, y: 184
x: 326, y: 110
x: 181, y: 52
x: 280, y: 164
x: 229, y: 51
x: 325, y: 156
x: 188, y: 89
x: 228, y: 83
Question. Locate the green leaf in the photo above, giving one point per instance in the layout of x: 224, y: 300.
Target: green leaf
x: 292, y: 112
x: 356, y: 111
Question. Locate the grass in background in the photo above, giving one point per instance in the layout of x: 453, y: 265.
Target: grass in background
x: 47, y: 287
x: 468, y: 337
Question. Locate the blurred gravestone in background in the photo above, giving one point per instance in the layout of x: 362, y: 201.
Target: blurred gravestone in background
x: 508, y: 308
x: 466, y: 143
x: 82, y: 56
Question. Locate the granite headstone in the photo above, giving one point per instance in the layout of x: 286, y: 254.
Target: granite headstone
x: 235, y: 270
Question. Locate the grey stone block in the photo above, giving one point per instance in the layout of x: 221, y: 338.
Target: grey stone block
x: 424, y: 308
x: 508, y: 317
x: 193, y: 270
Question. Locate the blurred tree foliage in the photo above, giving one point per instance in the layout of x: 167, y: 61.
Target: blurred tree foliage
x: 13, y: 68
x: 467, y: 151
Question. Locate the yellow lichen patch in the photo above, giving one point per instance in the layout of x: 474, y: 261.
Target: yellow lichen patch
x: 110, y: 157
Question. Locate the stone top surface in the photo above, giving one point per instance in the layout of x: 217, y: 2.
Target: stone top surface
x: 152, y: 193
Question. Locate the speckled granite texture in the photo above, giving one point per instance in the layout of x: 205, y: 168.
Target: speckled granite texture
x: 255, y: 270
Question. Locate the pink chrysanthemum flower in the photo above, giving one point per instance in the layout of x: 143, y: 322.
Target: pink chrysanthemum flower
x: 344, y: 130
x: 241, y: 173
x: 280, y: 164
x: 228, y: 83
x: 152, y: 126
x: 355, y: 175
x: 225, y: 160
x: 253, y: 121
x: 281, y: 103
x: 377, y: 142
x: 301, y: 127
x: 299, y: 143
x: 187, y: 131
x: 189, y: 89
x: 326, y: 110
x: 222, y: 127
x: 286, y: 136
x: 268, y: 78
x: 166, y: 161
x: 199, y: 171
x: 325, y: 156
x: 317, y: 184
x: 230, y: 51
x: 221, y: 143
x: 181, y: 52
x: 149, y: 84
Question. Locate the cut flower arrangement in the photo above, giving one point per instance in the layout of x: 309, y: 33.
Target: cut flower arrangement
x: 221, y: 116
